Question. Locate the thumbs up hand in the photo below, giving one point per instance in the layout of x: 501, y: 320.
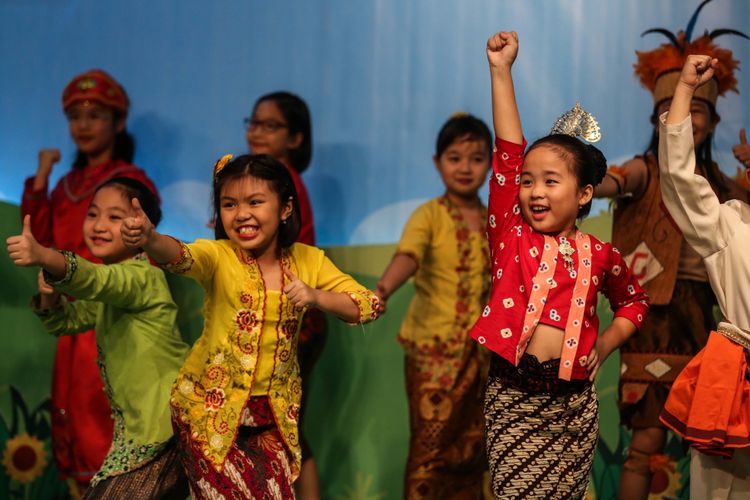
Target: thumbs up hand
x: 23, y: 249
x: 298, y: 292
x: 137, y: 229
x: 742, y: 150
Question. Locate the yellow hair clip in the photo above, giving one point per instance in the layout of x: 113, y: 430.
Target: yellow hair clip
x: 221, y: 164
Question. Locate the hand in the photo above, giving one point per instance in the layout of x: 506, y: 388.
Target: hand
x: 137, y: 229
x: 697, y: 70
x: 23, y: 249
x: 298, y: 292
x: 381, y: 295
x: 502, y: 49
x: 742, y: 150
x: 597, y: 356
x: 48, y: 296
x: 47, y: 159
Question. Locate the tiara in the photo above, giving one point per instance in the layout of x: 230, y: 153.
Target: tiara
x: 577, y: 123
x: 222, y: 163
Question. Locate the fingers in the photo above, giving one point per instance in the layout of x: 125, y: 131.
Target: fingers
x: 136, y: 204
x: 743, y: 137
x: 289, y: 274
x: 26, y: 231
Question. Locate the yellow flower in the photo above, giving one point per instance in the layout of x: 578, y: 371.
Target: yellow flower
x: 221, y: 164
x: 24, y: 458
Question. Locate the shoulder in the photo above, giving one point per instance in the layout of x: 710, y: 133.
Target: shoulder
x: 305, y: 253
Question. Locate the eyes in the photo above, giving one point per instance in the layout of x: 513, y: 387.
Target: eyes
x: 527, y: 182
x: 474, y: 159
x: 230, y: 204
x: 92, y: 215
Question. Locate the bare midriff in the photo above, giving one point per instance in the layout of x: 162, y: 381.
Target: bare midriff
x: 546, y: 342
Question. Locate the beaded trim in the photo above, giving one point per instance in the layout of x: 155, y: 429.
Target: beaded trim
x: 731, y: 332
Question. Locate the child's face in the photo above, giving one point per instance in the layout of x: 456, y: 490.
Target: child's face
x: 101, y: 227
x: 463, y: 166
x: 704, y: 121
x: 251, y: 213
x: 93, y: 128
x: 268, y: 132
x: 549, y: 194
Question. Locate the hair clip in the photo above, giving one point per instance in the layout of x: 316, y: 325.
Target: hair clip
x: 222, y: 163
x: 577, y: 123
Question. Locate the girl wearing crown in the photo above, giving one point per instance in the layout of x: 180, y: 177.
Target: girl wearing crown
x: 682, y: 301
x: 541, y: 408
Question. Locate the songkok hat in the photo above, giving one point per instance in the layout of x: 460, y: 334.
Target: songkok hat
x: 96, y: 86
x: 659, y: 69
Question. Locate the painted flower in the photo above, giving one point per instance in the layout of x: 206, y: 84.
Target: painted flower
x: 292, y: 413
x: 24, y: 458
x: 289, y: 327
x: 214, y: 399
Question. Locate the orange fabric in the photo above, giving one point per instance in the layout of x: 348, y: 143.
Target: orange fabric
x: 709, y: 404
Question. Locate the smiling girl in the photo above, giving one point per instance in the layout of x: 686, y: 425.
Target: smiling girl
x: 540, y: 322
x: 444, y: 247
x: 140, y: 349
x: 96, y: 107
x: 236, y: 400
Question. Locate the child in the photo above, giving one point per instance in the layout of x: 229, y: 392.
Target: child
x: 668, y: 269
x: 280, y: 126
x: 140, y: 350
x: 96, y: 107
x: 443, y: 244
x: 709, y: 404
x: 541, y: 324
x: 236, y: 400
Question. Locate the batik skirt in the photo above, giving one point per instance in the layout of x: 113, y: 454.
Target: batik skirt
x: 541, y: 431
x: 446, y: 448
x: 256, y: 467
x: 160, y: 478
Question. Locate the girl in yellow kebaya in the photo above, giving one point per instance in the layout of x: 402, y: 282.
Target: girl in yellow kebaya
x: 236, y: 401
x: 443, y: 246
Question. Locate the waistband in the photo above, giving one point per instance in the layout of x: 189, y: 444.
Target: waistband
x: 735, y: 334
x: 534, y: 377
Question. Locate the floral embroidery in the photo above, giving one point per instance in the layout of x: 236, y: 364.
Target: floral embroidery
x: 214, y: 399
x: 183, y: 263
x: 442, y: 357
x: 124, y: 454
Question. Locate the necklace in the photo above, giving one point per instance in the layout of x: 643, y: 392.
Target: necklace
x: 566, y: 250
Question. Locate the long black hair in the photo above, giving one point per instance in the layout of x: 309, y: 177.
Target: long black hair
x: 297, y: 116
x: 269, y: 169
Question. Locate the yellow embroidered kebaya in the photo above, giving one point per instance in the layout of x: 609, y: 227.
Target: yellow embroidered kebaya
x: 221, y: 370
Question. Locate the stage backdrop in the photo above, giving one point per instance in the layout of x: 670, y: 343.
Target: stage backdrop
x: 380, y: 78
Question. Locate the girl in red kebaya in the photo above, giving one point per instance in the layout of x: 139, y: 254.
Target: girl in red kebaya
x: 541, y: 408
x: 96, y: 106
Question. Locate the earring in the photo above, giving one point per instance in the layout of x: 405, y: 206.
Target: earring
x: 283, y: 221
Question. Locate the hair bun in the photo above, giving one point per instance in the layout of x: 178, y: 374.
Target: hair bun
x: 598, y: 162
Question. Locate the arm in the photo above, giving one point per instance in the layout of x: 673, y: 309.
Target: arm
x: 689, y: 198
x: 35, y: 200
x: 630, y: 179
x: 411, y: 249
x: 502, y: 49
x: 336, y: 293
x: 507, y: 160
x: 402, y: 267
x: 630, y: 305
x: 69, y: 318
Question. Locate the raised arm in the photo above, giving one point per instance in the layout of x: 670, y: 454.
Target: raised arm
x: 630, y: 179
x: 502, y: 48
x: 689, y: 198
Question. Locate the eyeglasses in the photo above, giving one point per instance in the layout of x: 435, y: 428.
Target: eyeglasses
x: 267, y: 126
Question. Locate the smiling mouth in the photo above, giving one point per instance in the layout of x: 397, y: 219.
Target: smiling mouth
x: 247, y: 232
x: 539, y: 212
x: 99, y: 241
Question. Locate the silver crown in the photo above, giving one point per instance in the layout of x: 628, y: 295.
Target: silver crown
x: 577, y: 123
